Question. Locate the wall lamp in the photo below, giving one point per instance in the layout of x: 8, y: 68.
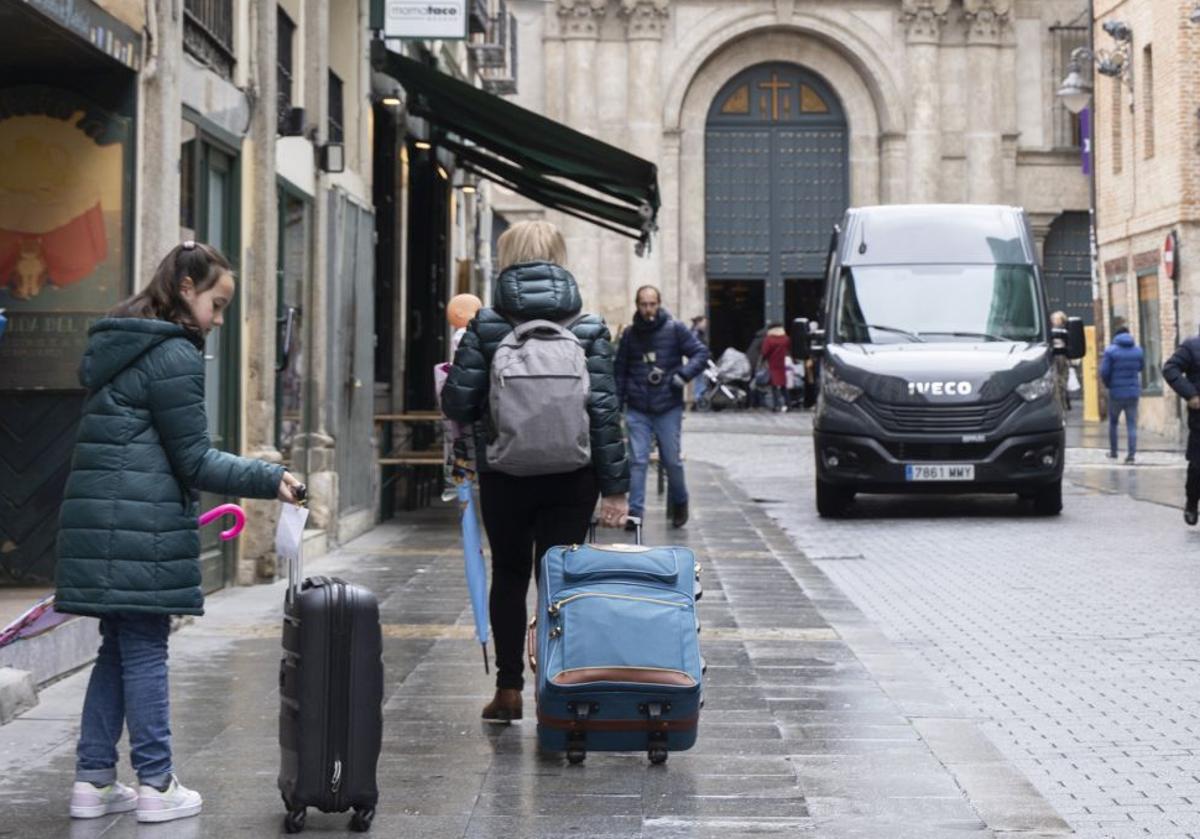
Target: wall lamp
x: 1076, y: 91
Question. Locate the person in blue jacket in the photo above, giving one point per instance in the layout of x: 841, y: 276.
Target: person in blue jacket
x: 657, y: 357
x: 1121, y: 372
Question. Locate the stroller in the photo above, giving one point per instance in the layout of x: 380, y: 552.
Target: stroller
x: 728, y: 382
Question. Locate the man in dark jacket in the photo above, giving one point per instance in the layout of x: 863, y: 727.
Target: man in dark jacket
x: 1121, y: 372
x: 1182, y: 373
x: 651, y: 375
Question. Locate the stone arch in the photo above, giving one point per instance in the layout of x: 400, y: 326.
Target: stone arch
x: 847, y: 48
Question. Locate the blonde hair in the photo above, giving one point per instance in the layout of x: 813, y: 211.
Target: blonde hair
x: 1058, y: 317
x: 530, y: 241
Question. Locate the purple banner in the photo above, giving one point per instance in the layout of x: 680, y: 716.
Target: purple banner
x: 1085, y: 140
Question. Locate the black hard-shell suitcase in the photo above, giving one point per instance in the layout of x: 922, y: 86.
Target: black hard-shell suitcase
x: 331, y: 700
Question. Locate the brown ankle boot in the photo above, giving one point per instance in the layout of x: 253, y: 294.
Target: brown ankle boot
x: 504, y: 707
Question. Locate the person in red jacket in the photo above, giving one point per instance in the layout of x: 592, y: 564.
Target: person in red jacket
x: 775, y: 351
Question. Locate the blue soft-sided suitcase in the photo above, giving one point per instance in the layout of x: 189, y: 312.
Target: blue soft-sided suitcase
x: 615, y: 649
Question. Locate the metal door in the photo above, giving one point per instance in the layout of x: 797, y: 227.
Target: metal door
x: 777, y: 180
x: 1067, y: 265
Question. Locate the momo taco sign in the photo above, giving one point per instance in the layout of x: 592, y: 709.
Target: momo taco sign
x: 443, y: 19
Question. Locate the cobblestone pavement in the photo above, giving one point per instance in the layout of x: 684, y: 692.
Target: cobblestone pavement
x: 803, y: 733
x: 1071, y: 640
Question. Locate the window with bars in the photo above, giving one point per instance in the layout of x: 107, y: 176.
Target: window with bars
x: 208, y: 33
x: 285, y: 34
x: 1065, y: 126
x: 337, y: 132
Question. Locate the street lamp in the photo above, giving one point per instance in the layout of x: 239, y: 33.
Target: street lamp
x: 1195, y: 17
x: 1076, y: 91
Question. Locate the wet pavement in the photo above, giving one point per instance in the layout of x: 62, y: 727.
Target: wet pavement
x: 1069, y: 641
x: 815, y: 722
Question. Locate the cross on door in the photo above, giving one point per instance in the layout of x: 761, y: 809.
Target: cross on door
x: 775, y: 86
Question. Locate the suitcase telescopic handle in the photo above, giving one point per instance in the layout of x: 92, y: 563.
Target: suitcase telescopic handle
x: 637, y: 534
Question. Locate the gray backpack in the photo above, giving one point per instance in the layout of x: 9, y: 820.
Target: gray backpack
x: 538, y: 399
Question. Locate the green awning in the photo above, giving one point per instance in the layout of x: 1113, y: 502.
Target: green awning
x: 535, y: 156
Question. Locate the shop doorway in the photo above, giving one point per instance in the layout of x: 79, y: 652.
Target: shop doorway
x: 208, y: 212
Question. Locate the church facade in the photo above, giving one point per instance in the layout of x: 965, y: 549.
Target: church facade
x: 767, y: 118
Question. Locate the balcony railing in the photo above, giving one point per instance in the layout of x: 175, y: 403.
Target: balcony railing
x: 208, y: 33
x: 496, y: 54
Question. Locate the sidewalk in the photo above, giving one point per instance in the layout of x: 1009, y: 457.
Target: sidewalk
x: 814, y: 722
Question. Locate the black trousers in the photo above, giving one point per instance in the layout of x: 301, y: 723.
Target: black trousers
x: 1193, y: 484
x: 524, y: 517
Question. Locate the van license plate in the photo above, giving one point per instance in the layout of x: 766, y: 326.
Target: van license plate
x: 939, y: 472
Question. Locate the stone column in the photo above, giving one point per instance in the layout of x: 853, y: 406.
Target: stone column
x: 161, y: 138
x: 321, y: 465
x: 987, y: 21
x: 259, y: 293
x: 579, y: 22
x: 644, y: 24
x: 924, y: 20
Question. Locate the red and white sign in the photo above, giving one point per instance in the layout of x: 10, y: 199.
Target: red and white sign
x: 1168, y: 256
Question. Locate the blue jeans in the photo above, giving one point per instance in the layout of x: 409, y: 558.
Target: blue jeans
x: 668, y: 428
x: 1115, y: 409
x: 128, y: 686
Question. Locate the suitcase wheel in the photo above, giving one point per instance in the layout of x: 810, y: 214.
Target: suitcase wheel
x: 360, y: 822
x: 293, y: 822
x: 575, y: 756
x: 657, y: 755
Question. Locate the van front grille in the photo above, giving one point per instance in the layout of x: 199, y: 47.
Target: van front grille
x: 976, y: 418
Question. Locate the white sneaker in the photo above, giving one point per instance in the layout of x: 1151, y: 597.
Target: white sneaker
x: 177, y: 802
x: 91, y: 802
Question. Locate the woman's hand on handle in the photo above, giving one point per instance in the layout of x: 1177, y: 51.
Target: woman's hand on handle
x: 614, y: 509
x: 287, y: 489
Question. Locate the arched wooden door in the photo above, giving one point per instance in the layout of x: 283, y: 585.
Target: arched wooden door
x: 776, y: 181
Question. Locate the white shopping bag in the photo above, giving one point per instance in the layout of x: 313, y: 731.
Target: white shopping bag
x: 289, y: 540
x: 1072, y: 381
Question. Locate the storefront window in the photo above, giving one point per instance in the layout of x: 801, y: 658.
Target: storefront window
x: 1150, y: 332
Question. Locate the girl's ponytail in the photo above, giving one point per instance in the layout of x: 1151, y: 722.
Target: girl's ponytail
x: 163, y: 298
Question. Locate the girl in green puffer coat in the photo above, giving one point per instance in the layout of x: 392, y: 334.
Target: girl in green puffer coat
x: 128, y: 545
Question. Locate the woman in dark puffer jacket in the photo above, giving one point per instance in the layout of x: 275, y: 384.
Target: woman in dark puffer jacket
x: 524, y: 516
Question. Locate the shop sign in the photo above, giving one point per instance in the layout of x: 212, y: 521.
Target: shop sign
x: 63, y: 208
x: 442, y: 19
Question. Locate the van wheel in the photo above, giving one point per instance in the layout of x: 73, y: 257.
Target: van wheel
x: 1048, y: 500
x: 832, y: 501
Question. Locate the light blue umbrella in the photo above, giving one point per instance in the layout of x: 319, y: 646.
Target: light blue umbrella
x: 474, y: 564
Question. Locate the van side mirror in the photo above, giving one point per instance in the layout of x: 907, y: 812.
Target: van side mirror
x: 1076, y: 340
x: 801, y: 342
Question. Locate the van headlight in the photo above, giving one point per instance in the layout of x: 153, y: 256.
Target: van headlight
x: 831, y: 385
x: 1043, y: 385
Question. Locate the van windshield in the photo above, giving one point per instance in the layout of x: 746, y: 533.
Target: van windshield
x: 888, y: 304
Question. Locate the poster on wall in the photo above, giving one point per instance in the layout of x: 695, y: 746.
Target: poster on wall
x: 63, y: 207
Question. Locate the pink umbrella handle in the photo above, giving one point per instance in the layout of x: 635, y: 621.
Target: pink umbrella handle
x: 226, y: 510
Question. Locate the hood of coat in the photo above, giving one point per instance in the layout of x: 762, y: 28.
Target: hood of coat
x: 648, y: 326
x: 537, y: 290
x: 115, y: 343
x: 1124, y: 340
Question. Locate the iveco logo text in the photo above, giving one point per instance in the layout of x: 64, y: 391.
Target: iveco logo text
x: 939, y: 388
